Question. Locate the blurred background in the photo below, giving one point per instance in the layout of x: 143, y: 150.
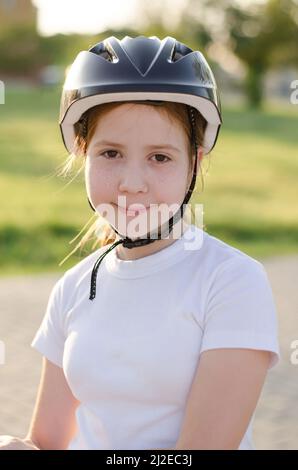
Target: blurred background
x: 250, y: 179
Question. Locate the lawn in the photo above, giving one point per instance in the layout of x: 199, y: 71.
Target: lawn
x: 249, y: 198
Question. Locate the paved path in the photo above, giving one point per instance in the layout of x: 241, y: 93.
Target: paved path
x: 23, y: 301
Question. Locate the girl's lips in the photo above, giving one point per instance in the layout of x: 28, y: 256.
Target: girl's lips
x: 136, y: 210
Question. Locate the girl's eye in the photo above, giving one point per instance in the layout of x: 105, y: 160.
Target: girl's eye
x: 163, y: 156
x: 114, y: 153
x: 110, y: 151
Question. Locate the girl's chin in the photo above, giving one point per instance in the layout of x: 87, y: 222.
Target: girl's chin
x: 138, y: 226
x: 132, y: 229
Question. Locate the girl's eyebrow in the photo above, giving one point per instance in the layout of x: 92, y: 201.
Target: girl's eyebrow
x: 99, y: 143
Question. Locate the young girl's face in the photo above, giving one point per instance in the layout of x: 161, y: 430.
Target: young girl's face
x: 137, y: 156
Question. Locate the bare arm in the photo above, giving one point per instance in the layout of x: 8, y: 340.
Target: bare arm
x: 223, y: 397
x: 53, y: 421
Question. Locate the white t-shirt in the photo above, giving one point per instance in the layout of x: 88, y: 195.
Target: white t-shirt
x: 129, y: 356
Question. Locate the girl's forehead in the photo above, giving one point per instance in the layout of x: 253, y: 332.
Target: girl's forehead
x: 140, y: 115
x: 135, y: 109
x: 129, y: 123
x: 147, y: 125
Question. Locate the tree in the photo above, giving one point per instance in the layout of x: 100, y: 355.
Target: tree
x: 264, y: 36
x: 20, y: 50
x: 261, y: 35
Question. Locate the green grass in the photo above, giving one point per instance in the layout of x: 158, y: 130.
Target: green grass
x: 249, y: 198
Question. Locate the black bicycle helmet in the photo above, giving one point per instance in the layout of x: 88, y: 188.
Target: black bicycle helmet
x: 142, y: 69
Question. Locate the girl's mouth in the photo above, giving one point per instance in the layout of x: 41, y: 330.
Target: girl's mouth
x: 133, y: 210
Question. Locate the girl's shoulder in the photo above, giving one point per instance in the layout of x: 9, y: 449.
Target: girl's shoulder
x: 80, y: 273
x: 219, y: 255
x: 86, y: 264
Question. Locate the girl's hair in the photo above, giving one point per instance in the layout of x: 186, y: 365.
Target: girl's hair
x: 84, y: 132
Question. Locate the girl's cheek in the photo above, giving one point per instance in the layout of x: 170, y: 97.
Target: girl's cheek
x: 96, y: 173
x: 95, y: 181
x: 100, y: 183
x: 170, y: 177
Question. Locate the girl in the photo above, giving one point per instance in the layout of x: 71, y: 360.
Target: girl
x: 162, y: 337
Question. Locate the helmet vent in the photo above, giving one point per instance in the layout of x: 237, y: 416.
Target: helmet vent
x: 101, y: 50
x: 180, y: 50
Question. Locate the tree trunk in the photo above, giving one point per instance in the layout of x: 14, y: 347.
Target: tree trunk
x: 254, y: 86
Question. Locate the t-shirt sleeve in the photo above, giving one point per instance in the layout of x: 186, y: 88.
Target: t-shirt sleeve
x: 50, y: 337
x: 240, y: 310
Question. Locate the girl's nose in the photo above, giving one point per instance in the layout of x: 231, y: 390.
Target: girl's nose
x: 132, y: 181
